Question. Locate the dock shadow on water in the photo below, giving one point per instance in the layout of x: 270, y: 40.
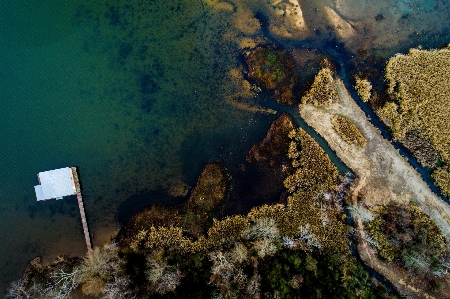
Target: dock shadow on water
x: 127, y: 90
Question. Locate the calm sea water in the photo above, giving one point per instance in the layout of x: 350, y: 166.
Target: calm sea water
x: 139, y: 97
x: 131, y: 94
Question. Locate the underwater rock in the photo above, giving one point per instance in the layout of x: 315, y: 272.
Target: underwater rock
x: 274, y: 70
x: 276, y: 144
x: 210, y: 190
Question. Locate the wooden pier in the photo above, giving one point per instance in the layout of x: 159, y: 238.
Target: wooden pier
x: 59, y: 183
x: 84, y: 222
x: 76, y: 182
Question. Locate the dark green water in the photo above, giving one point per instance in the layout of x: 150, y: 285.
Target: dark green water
x: 137, y: 95
x: 126, y: 93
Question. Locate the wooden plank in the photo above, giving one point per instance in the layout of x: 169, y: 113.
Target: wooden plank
x: 84, y: 222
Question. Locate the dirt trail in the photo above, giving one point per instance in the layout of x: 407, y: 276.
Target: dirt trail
x: 384, y: 176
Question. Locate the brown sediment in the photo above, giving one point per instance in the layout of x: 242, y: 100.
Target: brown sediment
x: 276, y: 143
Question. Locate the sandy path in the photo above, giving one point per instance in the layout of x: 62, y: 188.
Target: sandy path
x: 384, y: 175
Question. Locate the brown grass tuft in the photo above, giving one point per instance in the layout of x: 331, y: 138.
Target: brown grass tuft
x: 322, y: 91
x: 348, y: 131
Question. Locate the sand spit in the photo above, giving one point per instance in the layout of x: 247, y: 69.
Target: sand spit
x: 383, y: 176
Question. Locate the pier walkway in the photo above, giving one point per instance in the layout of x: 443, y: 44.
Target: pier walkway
x: 84, y: 222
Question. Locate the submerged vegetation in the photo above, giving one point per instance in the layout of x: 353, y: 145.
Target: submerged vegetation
x: 418, y: 85
x: 275, y: 71
x: 348, y: 131
x: 275, y: 145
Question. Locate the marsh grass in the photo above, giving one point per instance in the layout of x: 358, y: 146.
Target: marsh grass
x: 418, y: 85
x: 347, y: 130
x: 322, y: 91
x: 364, y: 88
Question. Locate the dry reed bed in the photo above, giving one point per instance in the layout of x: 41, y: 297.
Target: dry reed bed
x: 348, y: 131
x: 363, y: 88
x: 304, y: 215
x: 418, y: 83
x: 322, y: 91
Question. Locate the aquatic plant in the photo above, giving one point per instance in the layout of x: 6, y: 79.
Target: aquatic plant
x: 322, y: 91
x: 314, y: 170
x: 227, y: 230
x: 347, y: 130
x: 274, y: 70
x: 442, y: 178
x: 363, y: 88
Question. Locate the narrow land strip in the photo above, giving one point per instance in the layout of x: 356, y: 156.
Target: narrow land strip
x: 384, y: 176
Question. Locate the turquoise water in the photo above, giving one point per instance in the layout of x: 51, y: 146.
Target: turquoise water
x: 139, y: 95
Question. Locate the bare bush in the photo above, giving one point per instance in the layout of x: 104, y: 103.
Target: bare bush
x: 254, y: 286
x: 262, y: 227
x: 119, y: 288
x: 163, y: 278
x: 265, y: 247
x: 359, y: 212
x: 239, y: 253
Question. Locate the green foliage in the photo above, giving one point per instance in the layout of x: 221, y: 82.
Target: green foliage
x: 311, y: 263
x: 297, y: 274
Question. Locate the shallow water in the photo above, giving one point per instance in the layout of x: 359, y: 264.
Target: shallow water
x: 140, y: 97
